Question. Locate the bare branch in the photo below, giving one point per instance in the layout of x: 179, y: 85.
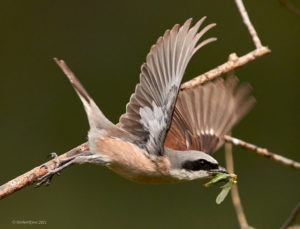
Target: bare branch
x: 247, y: 22
x: 233, y: 62
x: 31, y: 176
x: 263, y: 152
x: 234, y: 190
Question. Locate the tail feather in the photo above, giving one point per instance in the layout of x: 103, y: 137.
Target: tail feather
x: 95, y: 116
x: 203, y: 115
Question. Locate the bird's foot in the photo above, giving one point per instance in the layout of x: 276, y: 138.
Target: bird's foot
x: 59, y: 166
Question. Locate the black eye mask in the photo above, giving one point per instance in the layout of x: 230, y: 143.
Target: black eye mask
x: 200, y: 164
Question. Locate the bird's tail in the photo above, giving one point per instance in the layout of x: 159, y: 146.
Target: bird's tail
x: 95, y: 116
x: 204, y: 114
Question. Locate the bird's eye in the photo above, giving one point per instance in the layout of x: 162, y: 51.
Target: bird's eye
x: 200, y: 164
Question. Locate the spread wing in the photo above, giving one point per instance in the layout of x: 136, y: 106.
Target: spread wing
x: 148, y: 113
x: 204, y: 114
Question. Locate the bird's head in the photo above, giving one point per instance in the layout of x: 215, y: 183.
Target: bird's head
x: 192, y: 164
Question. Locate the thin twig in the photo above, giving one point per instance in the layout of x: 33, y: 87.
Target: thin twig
x: 263, y: 152
x: 292, y: 217
x: 234, y: 190
x: 248, y: 23
x: 233, y: 62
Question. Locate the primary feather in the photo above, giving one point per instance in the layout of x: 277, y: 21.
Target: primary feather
x: 149, y: 111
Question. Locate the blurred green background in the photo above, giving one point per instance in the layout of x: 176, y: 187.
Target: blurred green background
x: 105, y: 42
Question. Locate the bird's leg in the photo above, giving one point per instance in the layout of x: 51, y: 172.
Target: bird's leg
x: 60, y: 165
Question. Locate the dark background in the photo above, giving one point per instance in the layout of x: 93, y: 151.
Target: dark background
x: 105, y: 43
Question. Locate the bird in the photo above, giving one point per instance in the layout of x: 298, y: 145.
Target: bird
x: 165, y: 135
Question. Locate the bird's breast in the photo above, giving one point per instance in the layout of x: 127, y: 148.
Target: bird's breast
x: 133, y: 163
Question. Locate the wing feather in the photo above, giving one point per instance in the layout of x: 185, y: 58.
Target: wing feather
x: 203, y: 115
x: 148, y: 113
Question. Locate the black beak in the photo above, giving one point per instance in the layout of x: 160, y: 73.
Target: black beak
x: 220, y: 170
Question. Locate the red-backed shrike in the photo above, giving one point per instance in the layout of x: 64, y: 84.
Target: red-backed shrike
x: 156, y: 141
